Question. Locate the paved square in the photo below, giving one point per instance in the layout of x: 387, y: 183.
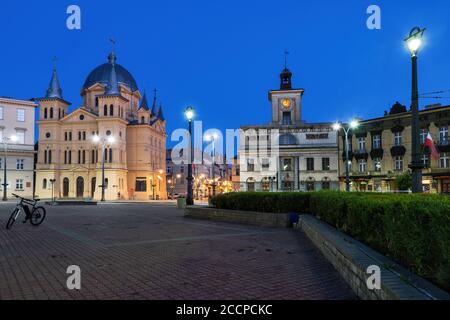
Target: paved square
x: 150, y: 251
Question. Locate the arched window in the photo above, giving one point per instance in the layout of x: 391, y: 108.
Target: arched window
x: 96, y: 101
x: 59, y: 113
x: 142, y: 120
x: 45, y: 157
x: 51, y: 113
x: 105, y: 110
x: 111, y: 110
x: 65, y: 157
x: 50, y: 156
x: 110, y: 155
x: 45, y: 113
x: 93, y: 156
x: 44, y: 184
x: 106, y: 183
x: 288, y: 140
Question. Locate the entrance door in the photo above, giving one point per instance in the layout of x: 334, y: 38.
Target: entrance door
x: 66, y: 188
x: 80, y: 187
x: 93, y: 185
x: 445, y: 186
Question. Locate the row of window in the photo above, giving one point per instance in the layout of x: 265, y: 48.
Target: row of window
x: 20, y: 164
x: 398, y: 138
x: 19, y: 183
x: 444, y: 162
x: 20, y: 114
x: 288, y: 164
x: 19, y: 135
x: 49, y: 113
x: 111, y: 111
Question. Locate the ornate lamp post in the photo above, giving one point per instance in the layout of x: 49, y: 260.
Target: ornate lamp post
x: 213, y: 138
x: 13, y: 139
x: 414, y: 42
x: 189, y: 113
x: 104, y: 142
x: 337, y: 127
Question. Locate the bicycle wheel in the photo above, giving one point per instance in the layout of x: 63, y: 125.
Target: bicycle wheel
x: 12, y: 219
x: 37, y: 216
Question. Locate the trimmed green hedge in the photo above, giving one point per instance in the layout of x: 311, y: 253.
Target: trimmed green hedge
x: 412, y: 229
x: 263, y: 202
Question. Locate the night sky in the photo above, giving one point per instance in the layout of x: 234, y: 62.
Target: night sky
x: 223, y: 56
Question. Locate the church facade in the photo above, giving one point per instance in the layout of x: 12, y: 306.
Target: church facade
x: 115, y: 124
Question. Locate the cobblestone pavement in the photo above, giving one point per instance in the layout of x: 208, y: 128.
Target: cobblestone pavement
x: 150, y: 251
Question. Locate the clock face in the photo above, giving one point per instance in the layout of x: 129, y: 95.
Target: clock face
x: 286, y: 103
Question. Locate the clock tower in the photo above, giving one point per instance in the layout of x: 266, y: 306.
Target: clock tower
x: 286, y: 102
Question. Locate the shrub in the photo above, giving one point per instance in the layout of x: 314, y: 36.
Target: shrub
x: 263, y: 202
x: 412, y: 229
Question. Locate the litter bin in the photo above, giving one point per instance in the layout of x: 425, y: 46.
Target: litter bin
x: 181, y: 203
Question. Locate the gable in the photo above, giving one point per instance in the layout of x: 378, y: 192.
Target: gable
x: 75, y: 116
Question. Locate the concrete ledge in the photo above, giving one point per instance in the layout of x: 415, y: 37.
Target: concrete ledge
x: 352, y: 258
x: 71, y: 203
x: 276, y: 220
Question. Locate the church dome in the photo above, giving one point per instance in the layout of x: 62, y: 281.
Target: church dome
x: 102, y: 73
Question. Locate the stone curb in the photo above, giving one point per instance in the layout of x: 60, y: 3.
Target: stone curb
x: 275, y: 220
x: 351, y: 259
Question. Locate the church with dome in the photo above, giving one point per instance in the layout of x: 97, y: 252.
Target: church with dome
x: 115, y: 128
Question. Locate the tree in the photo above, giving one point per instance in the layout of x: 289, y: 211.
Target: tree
x: 404, y: 182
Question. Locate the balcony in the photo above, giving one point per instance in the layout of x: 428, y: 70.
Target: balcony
x: 398, y: 151
x: 361, y: 154
x: 377, y: 153
x: 444, y: 145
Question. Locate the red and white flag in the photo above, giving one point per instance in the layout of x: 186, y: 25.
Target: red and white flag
x: 430, y: 144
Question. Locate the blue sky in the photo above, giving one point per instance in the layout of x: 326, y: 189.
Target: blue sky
x: 223, y: 56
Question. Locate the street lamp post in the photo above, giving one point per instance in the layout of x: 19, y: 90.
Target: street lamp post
x: 213, y: 138
x: 353, y: 125
x: 52, y: 181
x: 5, y: 178
x: 104, y: 142
x: 189, y: 113
x: 414, y: 42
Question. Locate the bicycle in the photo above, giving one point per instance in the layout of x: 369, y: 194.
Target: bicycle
x: 36, y: 215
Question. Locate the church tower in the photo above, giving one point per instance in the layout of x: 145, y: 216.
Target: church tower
x: 286, y: 101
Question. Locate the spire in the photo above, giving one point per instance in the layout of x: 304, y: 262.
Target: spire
x: 54, y: 90
x: 154, y: 106
x: 144, y: 103
x: 160, y: 113
x: 113, y: 86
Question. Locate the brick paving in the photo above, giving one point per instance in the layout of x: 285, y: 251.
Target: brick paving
x: 150, y: 251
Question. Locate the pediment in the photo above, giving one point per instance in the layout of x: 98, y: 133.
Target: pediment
x: 74, y: 116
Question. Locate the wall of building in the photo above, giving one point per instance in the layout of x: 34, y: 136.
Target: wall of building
x: 19, y: 176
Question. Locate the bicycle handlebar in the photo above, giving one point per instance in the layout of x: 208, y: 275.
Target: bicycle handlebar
x: 25, y: 199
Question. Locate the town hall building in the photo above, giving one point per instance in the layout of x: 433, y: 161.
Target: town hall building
x: 288, y: 154
x: 115, y: 122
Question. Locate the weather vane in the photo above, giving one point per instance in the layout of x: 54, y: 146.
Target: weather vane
x: 113, y: 43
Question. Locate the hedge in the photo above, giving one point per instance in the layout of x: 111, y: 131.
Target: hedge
x: 412, y: 229
x: 263, y: 202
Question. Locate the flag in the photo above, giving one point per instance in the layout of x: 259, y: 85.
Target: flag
x: 430, y: 144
